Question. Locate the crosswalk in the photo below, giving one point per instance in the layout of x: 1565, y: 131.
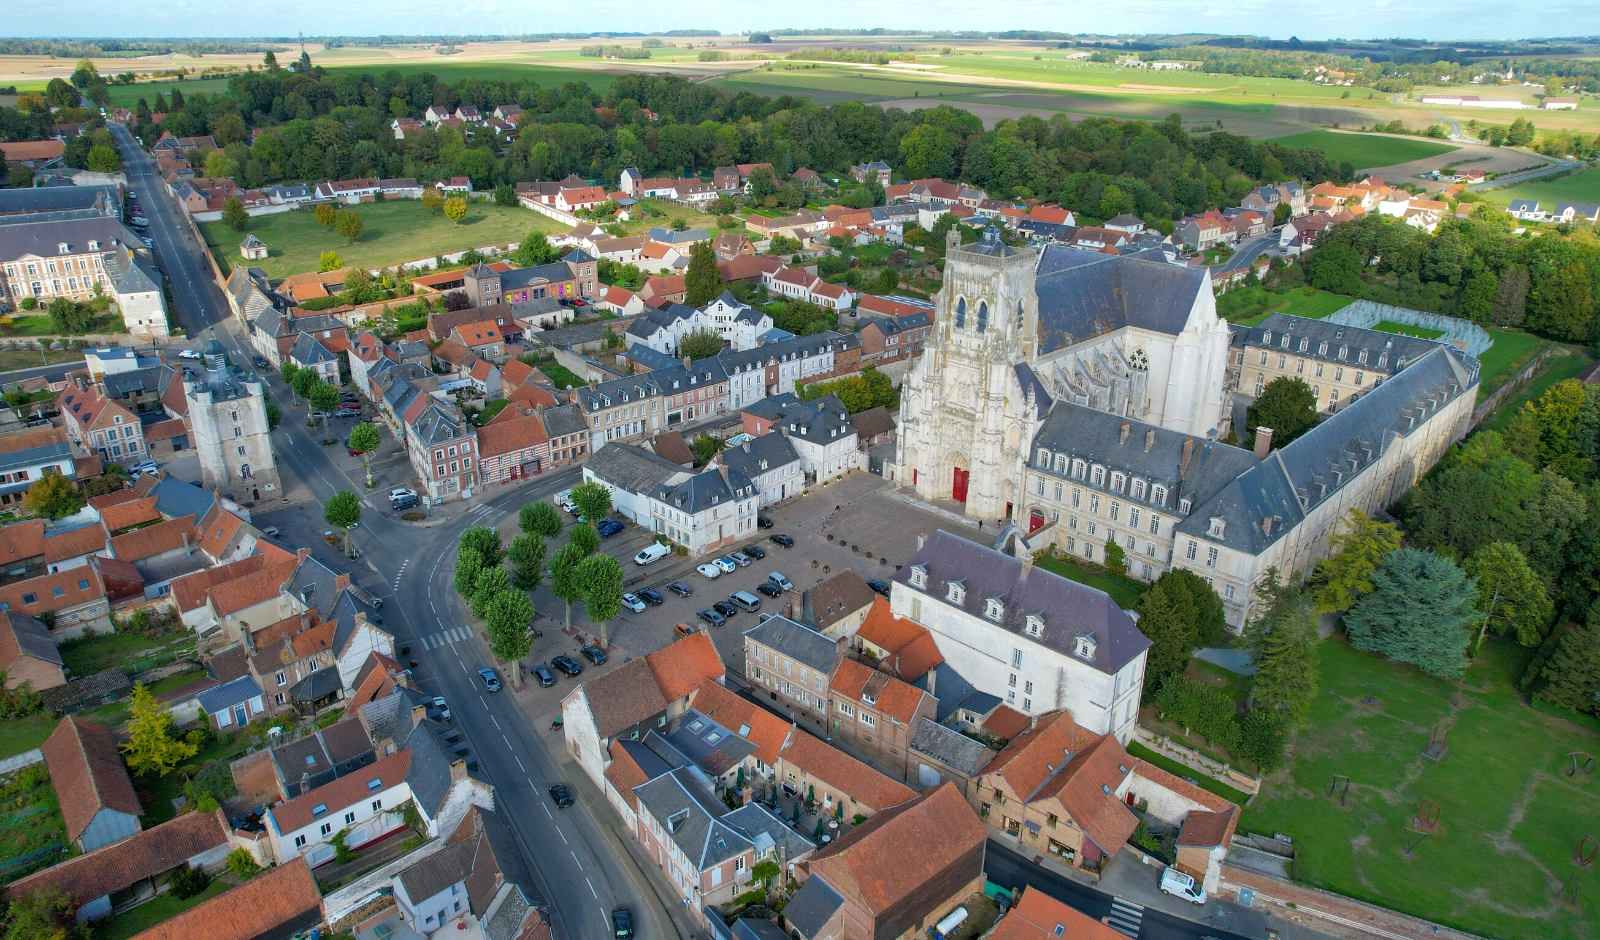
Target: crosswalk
x: 446, y: 638
x: 1126, y: 916
x: 400, y: 573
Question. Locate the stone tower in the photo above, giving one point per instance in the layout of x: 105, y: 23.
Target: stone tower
x: 968, y: 410
x: 228, y: 423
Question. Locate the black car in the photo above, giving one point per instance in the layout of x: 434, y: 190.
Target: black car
x: 756, y: 552
x: 681, y: 589
x: 594, y: 654
x: 763, y: 520
x: 710, y: 616
x: 769, y: 589
x: 622, y: 924
x: 404, y: 502
x: 545, y: 676
x: 561, y: 795
x: 652, y: 597
x: 782, y: 540
x: 724, y: 608
x: 567, y: 665
x: 260, y: 362
x: 879, y: 586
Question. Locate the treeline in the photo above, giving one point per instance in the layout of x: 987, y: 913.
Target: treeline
x: 614, y: 52
x: 1471, y: 268
x: 1385, y: 76
x: 319, y: 125
x: 78, y: 48
x: 858, y: 56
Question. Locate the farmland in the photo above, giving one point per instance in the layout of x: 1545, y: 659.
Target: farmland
x: 1366, y: 150
x: 1579, y: 187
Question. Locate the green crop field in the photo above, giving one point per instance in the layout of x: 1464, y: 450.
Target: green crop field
x: 1389, y: 326
x: 126, y: 96
x: 1366, y: 150
x: 1579, y: 187
x: 395, y: 232
x: 548, y: 76
x: 1509, y: 816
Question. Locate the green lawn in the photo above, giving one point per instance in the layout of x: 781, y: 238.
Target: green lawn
x: 1509, y: 347
x: 1248, y: 306
x: 548, y: 76
x: 159, y: 908
x: 1209, y: 784
x: 96, y: 654
x: 1365, y: 150
x: 1122, y: 590
x: 1565, y: 363
x: 560, y: 375
x: 1509, y: 817
x: 663, y: 214
x: 1420, y: 332
x: 395, y: 232
x: 1579, y: 187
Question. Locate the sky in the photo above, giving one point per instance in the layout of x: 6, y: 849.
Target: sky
x: 1276, y: 19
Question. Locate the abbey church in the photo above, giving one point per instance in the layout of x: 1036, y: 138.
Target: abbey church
x: 1085, y: 397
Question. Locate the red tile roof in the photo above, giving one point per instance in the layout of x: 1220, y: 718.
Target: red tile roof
x: 60, y: 546
x: 1038, y: 916
x: 310, y: 642
x: 1181, y: 787
x: 343, y: 792
x: 21, y: 540
x: 189, y: 591
x: 1207, y: 829
x: 44, y: 587
x: 124, y: 495
x: 624, y: 774
x: 153, y: 540
x: 87, y: 773
x: 274, y: 903
x: 909, y: 646
x: 1031, y: 765
x: 623, y: 697
x: 1007, y: 722
x: 850, y: 776
x: 233, y: 596
x: 116, y: 866
x: 857, y: 682
x: 755, y: 724
x: 681, y: 667
x: 516, y: 433
x: 218, y: 531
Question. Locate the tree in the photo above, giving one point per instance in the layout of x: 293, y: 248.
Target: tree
x: 241, y: 864
x: 85, y: 74
x: 1510, y: 296
x: 151, y: 749
x: 348, y: 224
x: 564, y: 583
x: 492, y: 580
x: 1354, y: 555
x: 1178, y: 613
x: 1510, y: 596
x: 1116, y: 558
x: 1521, y: 133
x: 527, y: 557
x: 540, y: 519
x: 326, y: 213
x: 364, y: 439
x: 585, y: 537
x: 486, y: 541
x: 1287, y: 406
x: 593, y: 501
x: 270, y: 61
x: 431, y: 198
x: 1334, y: 267
x: 601, y: 580
x: 1282, y: 644
x: 509, y: 618
x: 455, y: 209
x: 700, y: 344
x: 45, y: 913
x: 505, y: 196
x: 469, y: 567
x: 20, y: 176
x: 1562, y: 304
x: 53, y: 496
x: 702, y: 283
x: 762, y: 183
x: 343, y: 511
x: 1572, y: 675
x: 288, y: 371
x: 705, y: 447
x: 103, y: 159
x: 1477, y: 298
x: 535, y: 250
x: 303, y: 66
x: 329, y: 261
x: 1421, y: 610
x: 324, y: 396
x: 234, y: 215
x: 274, y: 416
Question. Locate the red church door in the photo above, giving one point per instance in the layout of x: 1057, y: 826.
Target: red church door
x: 1035, y: 521
x: 958, y: 487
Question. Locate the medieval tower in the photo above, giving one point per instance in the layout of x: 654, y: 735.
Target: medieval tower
x: 228, y: 420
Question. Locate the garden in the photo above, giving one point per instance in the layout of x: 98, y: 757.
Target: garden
x: 32, y: 832
x: 1250, y: 304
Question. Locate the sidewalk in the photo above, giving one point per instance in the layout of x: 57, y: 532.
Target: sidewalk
x: 1127, y: 877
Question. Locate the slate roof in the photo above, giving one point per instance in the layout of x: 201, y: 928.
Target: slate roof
x: 21, y: 634
x: 812, y: 906
x: 822, y: 421
x: 1083, y: 294
x: 797, y: 642
x: 692, y: 818
x: 749, y: 928
x: 854, y: 778
x: 761, y: 455
x: 949, y: 746
x: 175, y: 498
x: 711, y: 745
x: 631, y: 468
x: 229, y: 694
x: 1068, y: 609
x: 1394, y: 348
x: 87, y: 773
x: 431, y: 756
x: 704, y: 490
x: 44, y: 238
x: 564, y: 420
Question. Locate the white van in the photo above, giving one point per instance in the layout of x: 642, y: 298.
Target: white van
x: 652, y: 553
x: 1182, y: 885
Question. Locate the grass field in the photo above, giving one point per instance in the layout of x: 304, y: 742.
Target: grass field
x: 1508, y: 348
x: 1565, y: 363
x: 1420, y: 332
x: 1509, y: 818
x: 1579, y: 187
x: 548, y: 76
x: 395, y: 232
x: 1122, y: 590
x: 126, y: 96
x: 30, y: 821
x: 1249, y: 306
x: 1365, y: 150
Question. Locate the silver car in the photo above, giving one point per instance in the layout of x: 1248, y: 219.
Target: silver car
x: 633, y: 603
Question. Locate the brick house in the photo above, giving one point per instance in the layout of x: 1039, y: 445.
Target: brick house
x: 512, y: 446
x: 876, y: 714
x: 28, y: 653
x: 99, y: 424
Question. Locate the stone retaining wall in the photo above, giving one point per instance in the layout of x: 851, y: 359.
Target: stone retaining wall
x: 1194, y: 760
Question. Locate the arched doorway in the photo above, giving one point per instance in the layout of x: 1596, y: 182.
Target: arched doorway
x: 959, y: 475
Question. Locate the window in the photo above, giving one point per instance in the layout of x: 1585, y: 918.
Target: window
x: 1098, y: 476
x: 1083, y: 648
x: 1077, y: 469
x: 1227, y: 591
x: 1027, y: 688
x: 1211, y: 558
x: 1117, y: 482
x: 1027, y: 704
x: 869, y: 720
x: 1077, y: 497
x: 1338, y: 375
x: 845, y: 708
x: 993, y: 609
x: 1133, y: 517
x: 1218, y: 527
x: 1012, y: 682
x: 1184, y: 506
x: 377, y: 805
x: 1116, y: 508
x: 1300, y: 366
x: 1035, y: 625
x: 957, y: 592
x: 1360, y: 377
x: 1094, y: 505
x: 1158, y: 495
x: 1361, y: 357
x: 326, y: 828
x: 1137, y: 489
x: 1016, y: 659
x: 349, y: 818
x: 299, y: 841
x: 919, y: 576
x: 1344, y: 353
x: 1192, y: 550
x: 1261, y: 383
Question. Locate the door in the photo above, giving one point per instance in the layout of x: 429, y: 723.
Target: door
x: 958, y: 486
x: 238, y: 716
x: 1035, y: 521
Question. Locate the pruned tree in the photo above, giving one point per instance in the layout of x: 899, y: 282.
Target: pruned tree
x: 233, y: 214
x: 491, y: 581
x: 540, y: 519
x: 305, y: 380
x: 1354, y: 555
x: 601, y: 579
x: 364, y: 439
x: 700, y: 344
x: 329, y: 261
x: 564, y: 583
x: 151, y: 750
x: 324, y: 397
x: 593, y: 501
x: 509, y: 618
x: 585, y: 537
x: 469, y: 566
x: 1421, y: 610
x: 527, y: 558
x: 1287, y: 406
x: 343, y: 511
x: 486, y: 539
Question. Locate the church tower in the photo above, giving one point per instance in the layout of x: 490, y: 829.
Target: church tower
x: 968, y: 410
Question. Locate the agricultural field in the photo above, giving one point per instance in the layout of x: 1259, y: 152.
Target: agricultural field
x: 1508, y: 819
x: 1579, y: 187
x: 127, y: 96
x: 397, y: 231
x: 1366, y: 150
x: 448, y: 69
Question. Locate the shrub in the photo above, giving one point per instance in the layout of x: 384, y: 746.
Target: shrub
x: 188, y: 882
x: 1200, y: 708
x: 215, y: 780
x: 242, y: 865
x: 1262, y: 736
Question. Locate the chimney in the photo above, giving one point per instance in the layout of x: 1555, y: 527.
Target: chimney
x: 419, y: 711
x: 686, y: 362
x: 1188, y: 451
x: 922, y: 538
x: 458, y: 770
x: 1263, y: 442
x: 933, y: 681
x: 1149, y: 439
x: 1027, y: 562
x: 341, y: 582
x: 302, y: 554
x: 1122, y: 435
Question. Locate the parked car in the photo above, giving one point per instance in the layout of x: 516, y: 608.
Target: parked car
x: 142, y: 467
x: 404, y: 502
x: 710, y: 616
x: 189, y: 354
x: 621, y: 918
x: 490, y: 680
x: 652, y: 597
x: 709, y: 570
x: 782, y: 541
x: 271, y: 531
x: 544, y: 675
x: 347, y: 413
x: 561, y: 795
x: 594, y: 654
x: 881, y: 587
x: 1179, y: 884
x: 740, y: 559
x: 755, y: 551
x: 728, y: 565
x: 651, y: 553
x: 763, y: 520
x: 567, y: 665
x: 769, y: 589
x: 442, y: 708
x: 608, y: 527
x: 562, y: 496
x: 400, y: 491
x: 777, y: 578
x: 724, y: 608
x: 260, y: 362
x: 744, y: 600
x: 681, y: 589
x: 683, y: 629
x: 569, y: 507
x: 632, y: 602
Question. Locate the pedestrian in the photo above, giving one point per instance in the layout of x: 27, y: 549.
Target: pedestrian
x: 980, y: 525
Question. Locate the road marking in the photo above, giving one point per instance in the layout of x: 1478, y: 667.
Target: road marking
x: 497, y: 727
x: 519, y: 764
x: 546, y: 808
x: 563, y: 835
x: 508, y: 743
x: 1126, y: 916
x: 591, y: 887
x: 366, y: 504
x: 575, y: 859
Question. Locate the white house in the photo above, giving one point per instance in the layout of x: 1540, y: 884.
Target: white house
x: 631, y: 474
x: 708, y: 512
x: 1038, y: 640
x: 355, y: 807
x: 772, y: 463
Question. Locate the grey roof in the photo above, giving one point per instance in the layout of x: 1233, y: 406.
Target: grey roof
x: 800, y: 347
x: 439, y: 423
x: 577, y: 256
x: 292, y: 191
x: 28, y: 456
x: 773, y: 407
x: 704, y: 490
x: 1069, y: 609
x: 631, y: 468
x: 100, y: 199
x: 45, y: 238
x: 450, y: 865
x: 33, y: 637
x: 649, y: 761
x: 148, y: 379
x: 535, y: 306
x: 758, y: 456
x: 323, y: 756
x: 313, y: 584
x: 1125, y: 219
x: 225, y: 696
x: 811, y: 907
x: 1083, y: 294
x: 345, y: 608
x: 954, y: 693
x: 821, y: 421
x: 538, y: 274
x: 1385, y: 352
x: 648, y: 357
x: 796, y: 641
x: 669, y: 237
x: 1524, y: 205
x: 692, y: 816
x: 309, y: 351
x: 564, y: 419
x: 990, y: 244
x: 320, y: 684
x: 749, y: 928
x: 176, y: 498
x: 576, y: 335
x: 225, y: 384
x: 950, y: 747
x: 702, y: 739
x: 1039, y: 228
x: 1028, y: 379
x: 768, y: 832
x: 432, y: 752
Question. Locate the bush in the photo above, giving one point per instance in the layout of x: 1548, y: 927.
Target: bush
x: 1262, y: 736
x: 242, y: 865
x: 1198, y: 707
x: 215, y: 780
x: 188, y: 882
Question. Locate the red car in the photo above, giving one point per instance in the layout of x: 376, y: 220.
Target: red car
x: 353, y: 453
x: 578, y: 302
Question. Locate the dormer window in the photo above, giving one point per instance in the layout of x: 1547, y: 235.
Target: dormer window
x: 1035, y: 625
x: 1158, y: 495
x: 993, y: 609
x: 956, y: 592
x: 1044, y: 457
x: 1344, y: 353
x: 1117, y: 482
x: 1083, y: 646
x: 1077, y: 469
x: 1137, y: 489
x: 64, y: 248
x: 1285, y: 342
x: 1218, y: 528
x: 1304, y: 344
x: 1322, y: 350
x: 1184, y: 506
x: 919, y: 576
x: 1361, y: 357
x: 1097, y: 476
x: 1266, y: 338
x: 94, y: 245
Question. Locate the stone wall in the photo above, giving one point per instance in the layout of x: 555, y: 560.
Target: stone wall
x: 1464, y: 335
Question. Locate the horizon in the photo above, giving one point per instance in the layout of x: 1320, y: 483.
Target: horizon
x: 1469, y: 20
